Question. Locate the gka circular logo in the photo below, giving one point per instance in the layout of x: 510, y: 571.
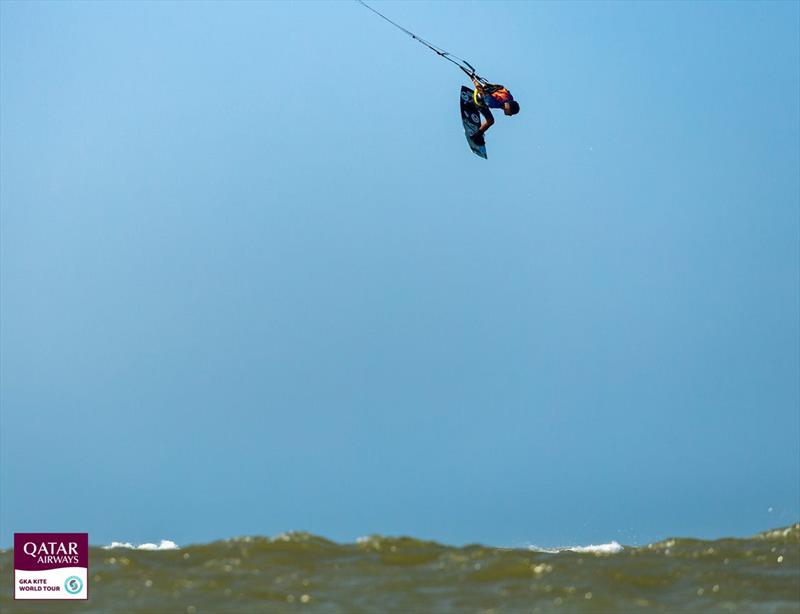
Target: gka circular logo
x: 73, y: 585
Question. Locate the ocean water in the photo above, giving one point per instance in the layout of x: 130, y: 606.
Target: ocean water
x: 299, y: 572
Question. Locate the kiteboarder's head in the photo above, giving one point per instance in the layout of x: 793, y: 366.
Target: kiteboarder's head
x: 511, y: 107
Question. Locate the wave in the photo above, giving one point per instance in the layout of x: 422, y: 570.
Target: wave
x: 380, y: 542
x: 402, y: 574
x: 164, y: 544
x: 609, y: 548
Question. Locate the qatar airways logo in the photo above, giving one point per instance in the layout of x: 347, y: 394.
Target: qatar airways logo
x: 50, y: 553
x: 51, y: 565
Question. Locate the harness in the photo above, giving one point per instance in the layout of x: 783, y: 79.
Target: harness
x: 498, y: 92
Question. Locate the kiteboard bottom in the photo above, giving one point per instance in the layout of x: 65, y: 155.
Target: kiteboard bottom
x: 471, y: 118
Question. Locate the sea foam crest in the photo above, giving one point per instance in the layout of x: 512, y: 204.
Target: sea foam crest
x: 610, y: 548
x: 164, y: 544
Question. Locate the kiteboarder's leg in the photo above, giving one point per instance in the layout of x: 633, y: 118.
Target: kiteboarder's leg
x: 478, y: 135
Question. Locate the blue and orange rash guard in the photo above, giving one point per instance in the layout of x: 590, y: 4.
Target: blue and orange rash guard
x: 492, y: 96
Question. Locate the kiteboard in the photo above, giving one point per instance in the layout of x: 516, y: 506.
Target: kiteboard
x: 471, y: 119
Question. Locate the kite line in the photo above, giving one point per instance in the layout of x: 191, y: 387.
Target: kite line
x: 460, y: 62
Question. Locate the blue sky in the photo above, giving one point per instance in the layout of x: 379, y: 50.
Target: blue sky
x: 253, y: 280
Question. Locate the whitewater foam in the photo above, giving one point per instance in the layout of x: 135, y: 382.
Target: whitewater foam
x: 610, y: 548
x: 164, y: 544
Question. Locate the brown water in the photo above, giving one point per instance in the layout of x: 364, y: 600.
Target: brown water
x: 303, y: 573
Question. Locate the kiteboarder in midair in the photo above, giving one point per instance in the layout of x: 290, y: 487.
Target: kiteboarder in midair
x: 491, y: 96
x: 486, y: 95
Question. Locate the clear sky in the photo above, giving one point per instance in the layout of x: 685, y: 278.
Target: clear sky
x: 253, y: 279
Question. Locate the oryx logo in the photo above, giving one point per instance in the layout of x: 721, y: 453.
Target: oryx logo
x: 73, y: 585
